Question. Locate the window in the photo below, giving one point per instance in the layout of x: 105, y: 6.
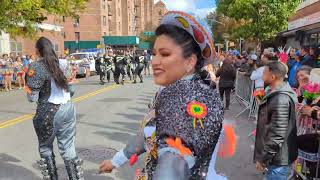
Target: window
x: 105, y: 34
x: 56, y: 48
x: 109, y: 22
x: 104, y: 20
x: 313, y: 39
x: 76, y: 22
x: 118, y: 11
x: 77, y: 36
x: 64, y: 35
x: 63, y: 19
x: 104, y: 6
x: 306, y: 40
x: 16, y: 47
x: 119, y: 25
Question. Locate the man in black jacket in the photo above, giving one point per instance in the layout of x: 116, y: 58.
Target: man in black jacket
x: 99, y: 70
x: 306, y: 59
x: 276, y: 135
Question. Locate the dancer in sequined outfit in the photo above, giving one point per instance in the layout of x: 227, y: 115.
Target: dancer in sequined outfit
x: 119, y: 63
x: 129, y: 66
x: 108, y: 61
x: 139, y: 65
x: 55, y: 117
x: 180, y: 133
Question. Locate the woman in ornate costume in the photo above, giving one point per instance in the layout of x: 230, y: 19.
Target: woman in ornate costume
x: 55, y: 117
x: 181, y: 132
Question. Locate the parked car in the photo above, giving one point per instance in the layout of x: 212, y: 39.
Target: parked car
x: 83, y: 60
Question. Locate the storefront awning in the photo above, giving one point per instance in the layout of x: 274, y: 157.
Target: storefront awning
x: 304, y: 28
x: 145, y: 45
x: 73, y: 45
x: 121, y: 40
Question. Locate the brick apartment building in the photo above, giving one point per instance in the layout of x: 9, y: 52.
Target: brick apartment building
x: 159, y: 10
x: 304, y: 25
x: 104, y: 21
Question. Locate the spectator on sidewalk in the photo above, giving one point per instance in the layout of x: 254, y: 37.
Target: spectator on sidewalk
x: 306, y: 59
x: 26, y: 61
x: 227, y: 74
x: 19, y: 73
x: 257, y: 74
x: 303, y: 78
x: 276, y: 134
x: 7, y: 72
x: 292, y: 57
x: 294, y: 66
x: 313, y: 110
x: 249, y: 67
x: 315, y: 55
x: 32, y: 58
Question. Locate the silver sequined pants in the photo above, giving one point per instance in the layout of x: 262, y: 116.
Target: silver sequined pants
x: 60, y: 123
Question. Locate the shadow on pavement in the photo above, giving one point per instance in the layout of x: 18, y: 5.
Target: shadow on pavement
x: 133, y: 126
x: 11, y: 171
x: 115, y: 136
x: 113, y: 100
x: 147, y: 96
x: 140, y: 110
x: 144, y: 99
x: 137, y: 117
x: 13, y: 112
x: 106, y: 127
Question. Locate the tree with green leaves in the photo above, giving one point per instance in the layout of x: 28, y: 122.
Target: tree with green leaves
x: 147, y: 38
x: 221, y: 25
x: 260, y: 19
x: 19, y: 17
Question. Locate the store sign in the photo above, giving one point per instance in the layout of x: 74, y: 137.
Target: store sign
x: 312, y: 19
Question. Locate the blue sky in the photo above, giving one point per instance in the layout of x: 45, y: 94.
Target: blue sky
x: 199, y: 7
x: 205, y: 3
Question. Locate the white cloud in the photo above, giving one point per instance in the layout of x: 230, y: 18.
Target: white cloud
x: 187, y: 6
x: 182, y: 5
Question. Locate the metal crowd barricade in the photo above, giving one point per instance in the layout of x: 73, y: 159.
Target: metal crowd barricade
x: 243, y: 94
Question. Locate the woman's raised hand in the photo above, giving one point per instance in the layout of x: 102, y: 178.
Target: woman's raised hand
x: 106, y: 167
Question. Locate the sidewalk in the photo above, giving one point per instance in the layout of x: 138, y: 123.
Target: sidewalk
x: 240, y: 166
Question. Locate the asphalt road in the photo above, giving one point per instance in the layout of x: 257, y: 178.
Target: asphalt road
x: 107, y: 117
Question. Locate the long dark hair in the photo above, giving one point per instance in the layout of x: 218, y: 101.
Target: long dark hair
x: 51, y: 60
x: 189, y: 46
x: 227, y: 66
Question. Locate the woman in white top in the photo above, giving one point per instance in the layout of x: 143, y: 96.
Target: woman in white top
x: 257, y: 74
x: 55, y: 117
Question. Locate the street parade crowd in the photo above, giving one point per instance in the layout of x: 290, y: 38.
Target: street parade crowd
x: 286, y: 89
x: 127, y: 64
x: 184, y: 131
